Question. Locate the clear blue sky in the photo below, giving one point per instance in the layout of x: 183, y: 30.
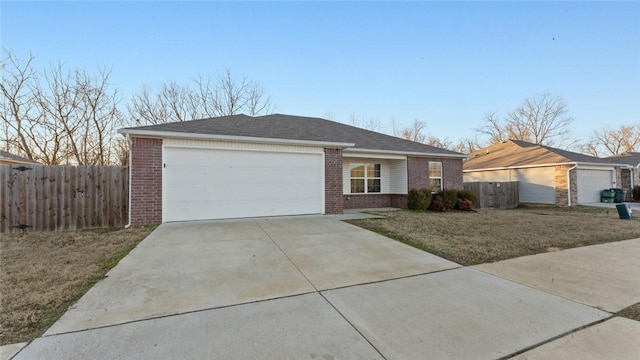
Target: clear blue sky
x: 446, y: 63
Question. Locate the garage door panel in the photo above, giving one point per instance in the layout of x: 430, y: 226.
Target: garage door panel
x: 216, y: 184
x: 591, y: 182
x: 537, y: 185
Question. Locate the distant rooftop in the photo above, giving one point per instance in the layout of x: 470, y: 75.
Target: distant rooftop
x: 9, y: 158
x: 517, y: 153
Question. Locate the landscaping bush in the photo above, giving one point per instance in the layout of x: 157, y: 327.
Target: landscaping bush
x: 636, y: 193
x: 464, y: 205
x: 440, y: 204
x: 467, y: 195
x: 419, y: 199
x: 451, y: 195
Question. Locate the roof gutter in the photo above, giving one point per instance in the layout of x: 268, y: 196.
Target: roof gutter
x: 248, y: 139
x: 378, y: 151
x: 546, y: 165
x: 130, y: 171
x: 569, y: 184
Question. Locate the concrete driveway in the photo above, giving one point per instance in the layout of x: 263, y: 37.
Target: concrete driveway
x: 301, y: 288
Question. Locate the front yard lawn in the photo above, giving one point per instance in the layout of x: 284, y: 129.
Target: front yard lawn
x: 470, y: 238
x: 44, y: 273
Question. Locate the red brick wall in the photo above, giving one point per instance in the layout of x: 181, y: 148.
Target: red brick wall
x: 333, y: 200
x: 146, y: 181
x: 366, y: 201
x: 418, y: 169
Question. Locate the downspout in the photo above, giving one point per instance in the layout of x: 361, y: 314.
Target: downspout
x: 130, y: 171
x: 569, y: 184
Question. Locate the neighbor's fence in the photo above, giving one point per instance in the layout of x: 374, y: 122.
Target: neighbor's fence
x: 62, y: 197
x: 496, y: 195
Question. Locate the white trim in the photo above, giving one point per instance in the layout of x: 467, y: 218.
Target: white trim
x: 240, y: 146
x: 164, y: 184
x: 582, y: 165
x: 441, y: 177
x: 408, y: 153
x: 128, y: 225
x: 323, y: 184
x: 249, y: 139
x: 608, y: 168
x: 350, y: 155
x: 569, y: 183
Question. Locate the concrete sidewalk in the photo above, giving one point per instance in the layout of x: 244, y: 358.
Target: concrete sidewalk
x: 302, y: 287
x: 605, y: 276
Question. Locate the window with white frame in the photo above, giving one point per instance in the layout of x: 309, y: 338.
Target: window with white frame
x: 365, y: 178
x: 435, y: 176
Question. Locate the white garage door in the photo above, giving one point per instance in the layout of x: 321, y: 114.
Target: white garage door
x: 537, y: 185
x: 591, y: 182
x: 221, y: 184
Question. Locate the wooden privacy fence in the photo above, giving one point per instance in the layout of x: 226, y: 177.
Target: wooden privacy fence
x: 49, y: 198
x: 496, y: 195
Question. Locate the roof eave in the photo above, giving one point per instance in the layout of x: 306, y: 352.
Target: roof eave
x: 409, y: 153
x: 545, y: 165
x: 249, y: 139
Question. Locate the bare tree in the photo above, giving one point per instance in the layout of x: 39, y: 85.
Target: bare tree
x: 62, y: 117
x: 415, y: 132
x: 18, y: 103
x: 439, y: 143
x: 613, y: 141
x: 468, y: 145
x: 542, y: 119
x: 205, y: 96
x: 372, y: 124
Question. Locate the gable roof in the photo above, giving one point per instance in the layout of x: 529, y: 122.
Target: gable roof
x: 9, y: 158
x: 279, y: 127
x: 630, y: 158
x: 517, y: 153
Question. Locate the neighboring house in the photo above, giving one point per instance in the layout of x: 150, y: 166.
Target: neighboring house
x: 242, y: 166
x: 632, y: 177
x: 546, y: 175
x: 9, y: 158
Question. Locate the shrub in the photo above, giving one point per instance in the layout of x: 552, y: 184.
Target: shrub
x: 419, y: 199
x: 464, y: 205
x: 467, y: 195
x: 451, y: 195
x: 440, y: 204
x: 636, y: 193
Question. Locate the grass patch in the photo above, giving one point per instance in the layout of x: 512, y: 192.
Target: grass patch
x: 471, y: 238
x: 44, y: 273
x: 632, y: 312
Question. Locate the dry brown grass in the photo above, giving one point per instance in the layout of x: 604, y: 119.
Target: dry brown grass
x: 632, y: 312
x: 471, y: 238
x: 42, y: 274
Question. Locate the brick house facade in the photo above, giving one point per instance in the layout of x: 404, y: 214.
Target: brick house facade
x: 294, y: 153
x: 146, y: 181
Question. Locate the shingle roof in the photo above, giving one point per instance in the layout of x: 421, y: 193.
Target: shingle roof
x: 516, y: 153
x: 631, y: 158
x: 279, y: 126
x: 10, y: 158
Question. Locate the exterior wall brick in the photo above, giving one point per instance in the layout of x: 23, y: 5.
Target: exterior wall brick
x: 333, y: 199
x: 146, y: 181
x: 574, y: 186
x: 623, y: 179
x: 368, y: 201
x: 418, y: 168
x: 561, y: 185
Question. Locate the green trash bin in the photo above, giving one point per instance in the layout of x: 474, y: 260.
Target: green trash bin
x: 624, y: 211
x: 619, y: 195
x: 607, y: 196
